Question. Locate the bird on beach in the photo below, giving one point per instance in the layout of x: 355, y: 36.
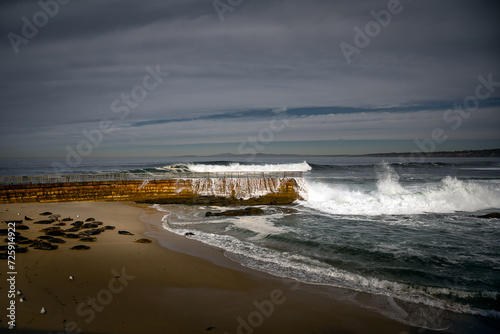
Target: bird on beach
x: 19, y: 292
x: 43, y: 311
x: 22, y: 299
x: 71, y: 277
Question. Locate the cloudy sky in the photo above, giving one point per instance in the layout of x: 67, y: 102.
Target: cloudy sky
x: 172, y: 77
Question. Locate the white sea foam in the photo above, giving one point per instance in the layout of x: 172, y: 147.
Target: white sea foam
x: 308, y: 270
x: 236, y: 167
x: 391, y: 198
x: 261, y: 225
x: 176, y: 168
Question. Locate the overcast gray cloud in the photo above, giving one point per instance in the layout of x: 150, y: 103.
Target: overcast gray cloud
x: 263, y: 55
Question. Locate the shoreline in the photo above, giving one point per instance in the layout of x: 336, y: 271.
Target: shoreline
x: 170, y: 285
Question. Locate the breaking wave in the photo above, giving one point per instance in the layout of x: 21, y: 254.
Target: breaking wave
x: 391, y: 198
x: 237, y: 167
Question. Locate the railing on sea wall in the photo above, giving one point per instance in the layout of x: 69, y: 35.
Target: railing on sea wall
x: 115, y: 177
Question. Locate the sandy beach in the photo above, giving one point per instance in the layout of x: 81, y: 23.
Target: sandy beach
x: 171, y: 285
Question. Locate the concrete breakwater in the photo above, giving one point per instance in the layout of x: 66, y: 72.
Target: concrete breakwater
x: 195, y: 188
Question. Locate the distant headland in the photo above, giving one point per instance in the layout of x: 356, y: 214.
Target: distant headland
x: 443, y: 154
x: 491, y: 153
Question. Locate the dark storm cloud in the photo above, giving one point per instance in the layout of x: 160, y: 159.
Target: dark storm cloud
x: 264, y: 55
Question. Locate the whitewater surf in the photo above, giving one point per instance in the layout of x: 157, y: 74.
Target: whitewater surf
x: 397, y: 231
x: 405, y: 239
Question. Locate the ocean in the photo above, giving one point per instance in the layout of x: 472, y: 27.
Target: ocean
x: 406, y: 232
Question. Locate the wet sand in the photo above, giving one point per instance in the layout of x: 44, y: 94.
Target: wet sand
x: 171, y: 285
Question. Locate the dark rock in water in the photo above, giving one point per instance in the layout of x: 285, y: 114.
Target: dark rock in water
x: 73, y: 229
x: 57, y: 241
x: 27, y: 218
x: 99, y: 223
x: 143, y: 241
x: 4, y: 256
x: 71, y: 236
x: 189, y: 234
x: 45, y: 237
x: 90, y: 219
x: 46, y: 213
x: 109, y: 227
x: 21, y: 238
x: 88, y: 239
x: 490, y: 215
x: 287, y: 210
x: 78, y: 223
x: 80, y: 247
x: 22, y: 227
x: 89, y: 225
x: 125, y: 233
x: 44, y: 222
x: 56, y: 233
x: 69, y: 219
x: 46, y: 246
x: 92, y: 232
x: 242, y: 212
x: 60, y: 224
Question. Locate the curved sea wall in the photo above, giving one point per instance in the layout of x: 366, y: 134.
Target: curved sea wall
x: 213, y: 191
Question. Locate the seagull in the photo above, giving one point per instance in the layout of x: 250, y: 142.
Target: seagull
x: 77, y: 216
x: 71, y: 277
x: 22, y: 299
x: 43, y: 311
x: 19, y: 292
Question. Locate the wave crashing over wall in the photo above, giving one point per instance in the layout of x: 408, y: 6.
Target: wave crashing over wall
x: 244, y: 188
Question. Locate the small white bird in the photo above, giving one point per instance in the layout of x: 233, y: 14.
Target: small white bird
x: 71, y: 277
x: 77, y: 216
x: 43, y: 311
x: 19, y: 292
x: 22, y: 299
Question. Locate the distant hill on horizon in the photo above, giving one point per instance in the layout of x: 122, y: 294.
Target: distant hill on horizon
x: 493, y: 153
x: 443, y: 154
